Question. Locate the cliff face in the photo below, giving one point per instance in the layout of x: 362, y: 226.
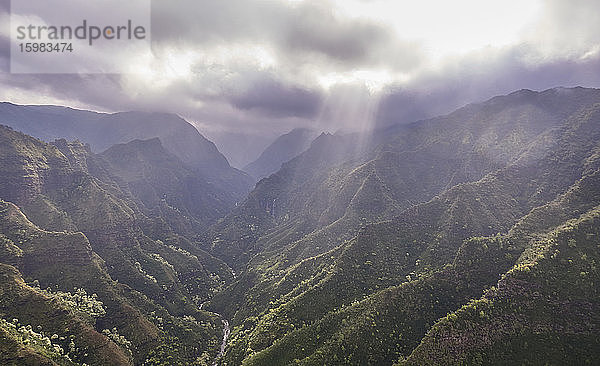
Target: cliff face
x: 27, y: 166
x: 77, y: 222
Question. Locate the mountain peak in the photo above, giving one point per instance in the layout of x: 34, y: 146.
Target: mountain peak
x: 103, y: 130
x: 152, y: 147
x: 283, y: 149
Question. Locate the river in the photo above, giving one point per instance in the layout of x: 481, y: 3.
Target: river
x: 226, y: 332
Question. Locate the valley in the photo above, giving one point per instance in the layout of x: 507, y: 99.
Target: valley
x: 467, y: 238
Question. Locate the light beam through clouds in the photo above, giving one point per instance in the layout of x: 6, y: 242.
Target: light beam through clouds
x: 261, y: 68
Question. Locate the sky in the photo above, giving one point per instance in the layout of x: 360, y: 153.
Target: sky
x: 239, y: 68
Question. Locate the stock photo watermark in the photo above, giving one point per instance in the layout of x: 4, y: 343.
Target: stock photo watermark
x: 73, y: 36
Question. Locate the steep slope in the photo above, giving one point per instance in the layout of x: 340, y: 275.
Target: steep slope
x: 66, y: 259
x: 321, y: 198
x: 102, y: 130
x: 390, y: 323
x: 165, y: 275
x: 543, y: 311
x: 549, y: 295
x: 235, y: 238
x: 323, y: 192
x: 285, y: 296
x: 161, y: 182
x: 140, y: 175
x: 284, y: 148
x: 464, y: 239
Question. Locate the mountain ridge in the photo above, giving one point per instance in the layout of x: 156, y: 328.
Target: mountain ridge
x: 469, y: 238
x: 268, y: 271
x: 102, y: 130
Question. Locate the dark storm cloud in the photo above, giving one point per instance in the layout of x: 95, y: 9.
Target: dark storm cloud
x: 297, y: 32
x: 347, y: 43
x: 273, y: 98
x: 313, y: 29
x: 458, y: 84
x: 205, y: 21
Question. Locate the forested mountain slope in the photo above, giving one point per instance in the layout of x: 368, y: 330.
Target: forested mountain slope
x: 344, y: 181
x: 470, y: 238
x: 522, y: 152
x: 136, y: 250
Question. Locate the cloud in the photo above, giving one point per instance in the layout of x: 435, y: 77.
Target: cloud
x: 480, y: 76
x: 565, y: 28
x: 297, y: 33
x: 274, y: 98
x: 265, y: 67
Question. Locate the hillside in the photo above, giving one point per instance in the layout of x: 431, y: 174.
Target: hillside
x: 328, y: 192
x: 166, y: 187
x: 469, y: 238
x: 159, y: 272
x: 477, y: 171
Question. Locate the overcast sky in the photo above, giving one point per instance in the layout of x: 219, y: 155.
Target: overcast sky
x: 268, y: 66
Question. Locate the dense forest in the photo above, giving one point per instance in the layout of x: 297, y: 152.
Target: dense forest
x: 469, y: 238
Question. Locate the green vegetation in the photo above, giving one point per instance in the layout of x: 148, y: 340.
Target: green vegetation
x: 93, y: 261
x: 345, y: 295
x: 466, y: 239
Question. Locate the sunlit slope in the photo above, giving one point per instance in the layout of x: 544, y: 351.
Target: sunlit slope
x: 290, y: 295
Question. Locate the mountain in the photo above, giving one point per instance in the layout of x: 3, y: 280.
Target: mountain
x: 235, y: 237
x: 102, y: 130
x: 284, y: 148
x: 469, y: 238
x: 328, y: 191
x: 328, y: 256
x: 163, y: 183
x: 37, y: 310
x: 92, y: 224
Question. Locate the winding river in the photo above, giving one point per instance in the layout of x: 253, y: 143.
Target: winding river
x: 226, y: 331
